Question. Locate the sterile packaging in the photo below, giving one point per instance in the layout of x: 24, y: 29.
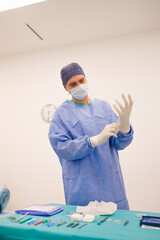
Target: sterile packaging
x: 76, y: 217
x: 150, y: 221
x: 98, y: 208
x: 39, y: 209
x: 79, y: 217
x: 88, y: 218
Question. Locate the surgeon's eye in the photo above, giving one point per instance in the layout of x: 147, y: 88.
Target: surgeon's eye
x: 72, y: 84
x: 82, y: 80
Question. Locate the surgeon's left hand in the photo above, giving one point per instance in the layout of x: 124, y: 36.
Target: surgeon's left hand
x: 124, y: 113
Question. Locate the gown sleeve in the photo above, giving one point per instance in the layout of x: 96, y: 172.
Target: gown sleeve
x: 64, y: 145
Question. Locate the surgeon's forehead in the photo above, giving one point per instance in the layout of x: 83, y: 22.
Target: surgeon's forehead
x: 75, y: 78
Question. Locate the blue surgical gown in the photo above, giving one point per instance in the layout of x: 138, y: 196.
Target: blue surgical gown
x: 89, y: 173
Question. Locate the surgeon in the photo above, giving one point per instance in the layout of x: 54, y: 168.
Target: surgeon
x: 86, y: 134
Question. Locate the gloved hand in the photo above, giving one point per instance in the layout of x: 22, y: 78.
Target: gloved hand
x: 109, y: 130
x: 124, y: 113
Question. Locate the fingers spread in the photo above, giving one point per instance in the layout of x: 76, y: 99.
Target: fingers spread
x: 130, y: 100
x: 124, y: 99
x: 119, y: 104
x: 117, y: 109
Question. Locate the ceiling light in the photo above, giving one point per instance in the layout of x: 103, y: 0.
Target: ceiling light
x: 11, y: 4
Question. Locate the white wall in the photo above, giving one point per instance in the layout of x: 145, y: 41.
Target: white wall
x: 128, y: 64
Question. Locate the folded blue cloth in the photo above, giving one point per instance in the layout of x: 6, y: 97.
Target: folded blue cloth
x: 40, y: 210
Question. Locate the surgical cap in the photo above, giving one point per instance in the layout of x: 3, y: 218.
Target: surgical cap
x: 69, y: 71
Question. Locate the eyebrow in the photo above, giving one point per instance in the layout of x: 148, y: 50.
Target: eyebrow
x: 76, y: 82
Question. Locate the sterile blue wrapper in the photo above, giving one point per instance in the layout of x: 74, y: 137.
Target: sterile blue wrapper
x: 150, y: 221
x: 40, y: 210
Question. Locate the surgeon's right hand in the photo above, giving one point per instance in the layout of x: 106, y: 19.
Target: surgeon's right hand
x: 109, y: 130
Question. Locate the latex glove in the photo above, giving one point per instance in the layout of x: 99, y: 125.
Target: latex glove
x: 109, y: 130
x: 124, y: 113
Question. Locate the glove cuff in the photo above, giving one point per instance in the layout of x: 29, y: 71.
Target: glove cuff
x: 125, y: 130
x: 93, y: 141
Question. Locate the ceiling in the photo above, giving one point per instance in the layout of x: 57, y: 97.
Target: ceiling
x: 67, y: 22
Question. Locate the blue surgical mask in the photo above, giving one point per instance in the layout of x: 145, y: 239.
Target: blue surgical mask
x: 79, y: 92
